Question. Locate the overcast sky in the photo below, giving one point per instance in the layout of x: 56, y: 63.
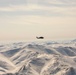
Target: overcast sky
x: 26, y: 19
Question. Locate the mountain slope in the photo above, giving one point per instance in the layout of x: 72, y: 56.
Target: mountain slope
x: 38, y: 59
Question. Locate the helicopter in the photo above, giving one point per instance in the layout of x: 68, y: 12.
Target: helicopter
x: 41, y: 37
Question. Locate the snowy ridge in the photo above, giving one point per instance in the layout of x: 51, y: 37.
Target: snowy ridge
x: 38, y: 58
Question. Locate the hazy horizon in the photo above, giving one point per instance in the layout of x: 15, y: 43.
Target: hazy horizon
x: 26, y: 19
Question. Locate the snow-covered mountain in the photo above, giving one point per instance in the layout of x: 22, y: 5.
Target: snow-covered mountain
x: 38, y: 58
x: 74, y: 41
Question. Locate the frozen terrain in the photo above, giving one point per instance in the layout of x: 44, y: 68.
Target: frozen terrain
x: 38, y: 58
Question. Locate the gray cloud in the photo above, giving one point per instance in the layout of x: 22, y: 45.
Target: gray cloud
x: 38, y: 7
x: 41, y: 2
